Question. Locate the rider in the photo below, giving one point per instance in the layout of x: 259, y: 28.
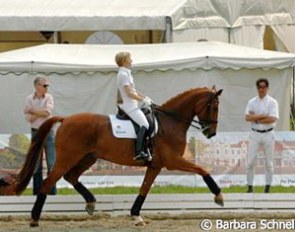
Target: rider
x: 131, y: 97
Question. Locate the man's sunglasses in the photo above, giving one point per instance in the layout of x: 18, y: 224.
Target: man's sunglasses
x: 44, y: 86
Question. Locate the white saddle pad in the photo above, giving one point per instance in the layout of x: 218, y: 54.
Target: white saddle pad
x: 125, y: 128
x: 122, y: 128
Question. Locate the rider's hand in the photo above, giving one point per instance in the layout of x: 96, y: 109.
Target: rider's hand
x: 147, y: 102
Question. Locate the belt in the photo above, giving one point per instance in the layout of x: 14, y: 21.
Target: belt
x: 262, y: 131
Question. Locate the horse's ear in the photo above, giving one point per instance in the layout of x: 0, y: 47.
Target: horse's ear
x: 214, y: 88
x: 218, y: 92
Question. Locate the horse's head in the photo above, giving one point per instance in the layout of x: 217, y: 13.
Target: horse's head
x: 207, y: 111
x: 8, y: 185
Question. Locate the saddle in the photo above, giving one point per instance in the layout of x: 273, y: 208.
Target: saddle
x: 149, y: 114
x: 125, y: 127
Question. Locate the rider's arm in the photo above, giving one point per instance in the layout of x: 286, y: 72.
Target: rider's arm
x: 132, y: 94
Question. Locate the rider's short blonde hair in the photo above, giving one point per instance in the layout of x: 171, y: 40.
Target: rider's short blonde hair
x: 121, y: 57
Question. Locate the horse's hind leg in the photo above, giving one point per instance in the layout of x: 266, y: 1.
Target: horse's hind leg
x: 183, y: 165
x: 150, y: 176
x: 47, y: 184
x: 73, y: 175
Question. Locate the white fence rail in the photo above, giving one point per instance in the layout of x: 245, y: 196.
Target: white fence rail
x: 154, y: 202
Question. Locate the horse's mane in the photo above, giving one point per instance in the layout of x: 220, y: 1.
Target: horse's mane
x: 184, y: 95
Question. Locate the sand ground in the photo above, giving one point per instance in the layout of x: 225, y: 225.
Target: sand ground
x: 160, y: 222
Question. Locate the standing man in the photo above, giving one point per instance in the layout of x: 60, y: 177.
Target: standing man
x: 38, y: 108
x: 263, y: 112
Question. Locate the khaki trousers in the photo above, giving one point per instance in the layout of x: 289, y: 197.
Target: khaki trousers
x: 267, y: 140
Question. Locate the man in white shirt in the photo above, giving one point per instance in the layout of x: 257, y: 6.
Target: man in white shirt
x: 263, y: 112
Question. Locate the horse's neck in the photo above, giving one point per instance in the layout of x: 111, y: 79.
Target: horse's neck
x: 183, y: 106
x: 184, y: 110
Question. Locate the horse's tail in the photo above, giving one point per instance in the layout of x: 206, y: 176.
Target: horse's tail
x: 25, y: 174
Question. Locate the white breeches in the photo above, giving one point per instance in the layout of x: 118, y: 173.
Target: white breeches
x: 267, y: 140
x: 138, y: 116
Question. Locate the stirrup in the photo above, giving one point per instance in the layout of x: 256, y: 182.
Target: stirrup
x: 143, y: 156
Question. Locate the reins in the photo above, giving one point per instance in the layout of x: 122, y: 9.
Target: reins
x: 179, y: 118
x: 191, y: 122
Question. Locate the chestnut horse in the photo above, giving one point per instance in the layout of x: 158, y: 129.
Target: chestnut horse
x: 84, y: 137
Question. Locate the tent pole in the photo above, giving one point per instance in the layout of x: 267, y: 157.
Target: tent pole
x: 168, y: 30
x: 293, y: 101
x: 293, y: 82
x: 55, y: 37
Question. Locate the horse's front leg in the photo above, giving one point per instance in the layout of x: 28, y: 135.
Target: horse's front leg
x: 150, y: 176
x: 183, y: 165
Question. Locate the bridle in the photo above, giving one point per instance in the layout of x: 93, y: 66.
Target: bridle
x: 197, y: 124
x: 205, y: 123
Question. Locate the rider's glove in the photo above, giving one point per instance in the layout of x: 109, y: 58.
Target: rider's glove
x: 147, y: 102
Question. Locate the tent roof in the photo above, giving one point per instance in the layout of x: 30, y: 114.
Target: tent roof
x: 224, y: 13
x: 65, y: 15
x: 62, y: 58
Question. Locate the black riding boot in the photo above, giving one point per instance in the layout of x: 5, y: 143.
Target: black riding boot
x: 139, y: 146
x: 250, y: 189
x: 267, y: 188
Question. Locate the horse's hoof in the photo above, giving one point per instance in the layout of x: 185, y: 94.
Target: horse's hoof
x: 34, y: 223
x: 90, y: 208
x: 219, y: 200
x: 138, y: 221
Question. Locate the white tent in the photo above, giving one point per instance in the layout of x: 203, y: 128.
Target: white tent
x: 91, y: 15
x: 83, y: 77
x: 240, y: 22
x: 65, y: 15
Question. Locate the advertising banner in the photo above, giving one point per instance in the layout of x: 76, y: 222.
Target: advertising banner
x: 224, y: 156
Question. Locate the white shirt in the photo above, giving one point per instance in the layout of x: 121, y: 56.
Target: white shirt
x: 268, y: 106
x: 124, y: 78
